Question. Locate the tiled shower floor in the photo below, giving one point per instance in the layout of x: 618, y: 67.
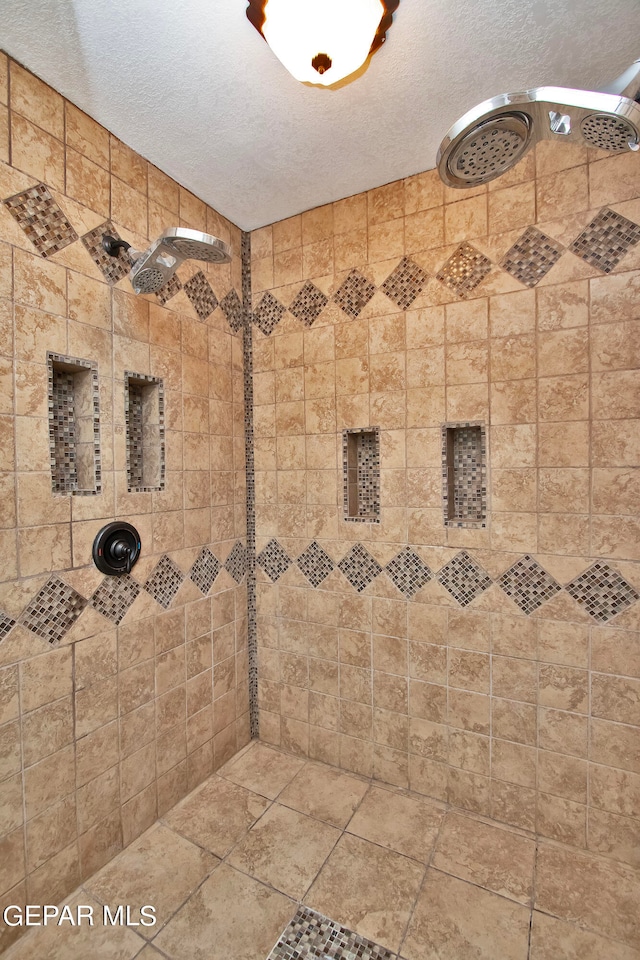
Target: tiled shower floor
x: 326, y: 864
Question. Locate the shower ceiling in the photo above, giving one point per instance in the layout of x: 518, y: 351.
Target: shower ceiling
x: 194, y: 88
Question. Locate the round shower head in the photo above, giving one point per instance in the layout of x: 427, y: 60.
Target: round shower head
x: 486, y: 150
x: 606, y: 132
x: 149, y: 280
x: 189, y: 244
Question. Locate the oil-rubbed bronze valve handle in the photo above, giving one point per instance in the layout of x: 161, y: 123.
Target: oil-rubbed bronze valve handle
x: 116, y: 548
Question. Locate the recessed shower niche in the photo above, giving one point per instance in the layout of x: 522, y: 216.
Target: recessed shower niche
x: 74, y: 425
x: 361, y: 474
x: 144, y: 417
x: 464, y: 474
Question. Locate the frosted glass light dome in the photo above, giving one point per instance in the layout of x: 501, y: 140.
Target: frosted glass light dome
x: 343, y: 30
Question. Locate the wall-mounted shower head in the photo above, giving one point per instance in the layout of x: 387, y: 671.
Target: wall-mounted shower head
x: 490, y: 139
x: 155, y: 266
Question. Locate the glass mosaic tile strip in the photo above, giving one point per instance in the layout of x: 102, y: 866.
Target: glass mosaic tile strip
x: 164, y: 582
x: 602, y: 592
x: 464, y: 474
x: 354, y: 294
x: 250, y: 499
x: 169, y: 290
x: 202, y: 297
x: 359, y: 567
x: 6, y: 623
x: 311, y: 936
x: 405, y: 283
x: 464, y: 578
x: 274, y: 560
x: 531, y: 257
x: 236, y: 562
x: 53, y: 610
x: 528, y: 584
x: 408, y: 572
x: 268, y: 314
x: 233, y: 310
x: 605, y: 241
x: 464, y: 270
x: 113, y: 268
x: 315, y: 563
x: 308, y: 304
x: 42, y: 220
x: 114, y: 596
x: 205, y: 570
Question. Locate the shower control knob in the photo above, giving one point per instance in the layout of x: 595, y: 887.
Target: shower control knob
x: 116, y: 548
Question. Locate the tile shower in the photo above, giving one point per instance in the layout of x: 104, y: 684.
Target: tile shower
x: 473, y: 637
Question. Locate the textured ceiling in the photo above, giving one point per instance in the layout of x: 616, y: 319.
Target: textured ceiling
x: 193, y: 87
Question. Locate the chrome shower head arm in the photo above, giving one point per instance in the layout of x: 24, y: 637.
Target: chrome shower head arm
x: 627, y: 84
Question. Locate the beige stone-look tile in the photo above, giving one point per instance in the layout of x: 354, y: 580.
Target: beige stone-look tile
x: 231, y: 915
x: 400, y: 823
x: 598, y: 894
x: 553, y: 939
x: 613, y: 836
x: 562, y: 194
x: 80, y: 940
x: 139, y: 874
x: 368, y: 889
x: 454, y: 920
x: 285, y: 849
x: 216, y: 815
x: 324, y: 794
x: 486, y: 855
x: 36, y: 152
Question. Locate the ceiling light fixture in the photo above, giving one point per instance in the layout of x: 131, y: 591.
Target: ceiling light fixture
x: 322, y: 41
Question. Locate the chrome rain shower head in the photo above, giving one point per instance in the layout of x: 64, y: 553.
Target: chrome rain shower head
x: 154, y: 267
x: 492, y: 137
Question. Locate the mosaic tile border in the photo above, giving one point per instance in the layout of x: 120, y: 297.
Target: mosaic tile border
x: 135, y: 441
x: 602, y: 244
x: 312, y: 936
x: 450, y: 464
x: 601, y: 590
x: 63, y: 443
x: 42, y: 220
x: 54, y: 609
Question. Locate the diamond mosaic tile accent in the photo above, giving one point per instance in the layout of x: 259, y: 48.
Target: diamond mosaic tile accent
x: 605, y: 240
x: 315, y: 563
x: 359, y: 567
x: 236, y: 562
x: 268, y: 314
x: 41, y: 219
x: 408, y: 571
x: 531, y: 257
x: 405, y: 283
x: 171, y: 287
x: 164, y: 582
x: 205, y: 570
x: 114, y: 596
x: 113, y: 268
x: 310, y: 936
x: 308, y: 304
x: 354, y: 294
x: 233, y: 310
x: 602, y: 592
x: 464, y: 270
x: 528, y: 584
x: 53, y: 610
x: 6, y: 623
x: 274, y: 560
x: 202, y: 297
x: 464, y: 578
